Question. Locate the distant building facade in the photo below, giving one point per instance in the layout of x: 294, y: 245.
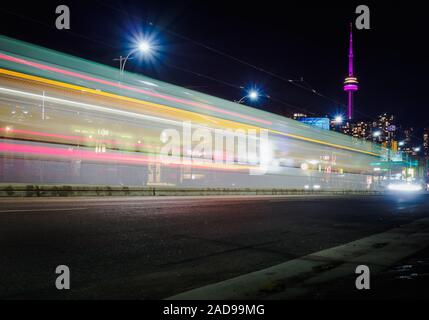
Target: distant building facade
x: 426, y: 143
x: 383, y: 130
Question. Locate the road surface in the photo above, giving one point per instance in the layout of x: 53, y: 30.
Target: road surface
x: 155, y: 248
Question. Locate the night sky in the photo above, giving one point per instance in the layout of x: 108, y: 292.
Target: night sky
x: 292, y: 39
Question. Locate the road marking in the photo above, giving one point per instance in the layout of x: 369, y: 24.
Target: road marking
x: 41, y: 210
x: 299, y: 276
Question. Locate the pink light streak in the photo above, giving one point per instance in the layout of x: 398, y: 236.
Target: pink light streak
x: 72, y: 154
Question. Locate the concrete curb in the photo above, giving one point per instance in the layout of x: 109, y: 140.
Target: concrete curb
x: 31, y: 190
x: 297, y: 277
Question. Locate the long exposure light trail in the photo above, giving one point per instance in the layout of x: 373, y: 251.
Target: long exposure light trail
x: 89, y: 106
x: 184, y: 114
x: 121, y: 86
x: 99, y: 108
x: 66, y: 138
x: 57, y: 83
x: 71, y: 153
x: 70, y: 121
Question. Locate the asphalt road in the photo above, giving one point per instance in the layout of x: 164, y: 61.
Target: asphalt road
x: 153, y: 248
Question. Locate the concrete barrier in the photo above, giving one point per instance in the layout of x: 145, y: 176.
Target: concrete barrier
x: 30, y: 190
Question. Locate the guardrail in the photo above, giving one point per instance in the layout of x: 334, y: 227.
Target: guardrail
x: 31, y: 190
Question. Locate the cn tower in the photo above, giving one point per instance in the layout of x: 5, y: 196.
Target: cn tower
x: 350, y: 83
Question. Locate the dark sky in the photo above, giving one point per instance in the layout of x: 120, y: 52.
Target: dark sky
x: 292, y: 39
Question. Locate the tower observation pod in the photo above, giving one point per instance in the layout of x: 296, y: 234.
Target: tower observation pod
x: 351, y: 82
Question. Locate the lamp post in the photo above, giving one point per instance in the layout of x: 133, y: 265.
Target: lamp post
x: 252, y: 95
x: 338, y: 120
x: 143, y: 46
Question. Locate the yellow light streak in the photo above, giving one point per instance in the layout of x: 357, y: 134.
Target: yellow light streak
x: 188, y: 115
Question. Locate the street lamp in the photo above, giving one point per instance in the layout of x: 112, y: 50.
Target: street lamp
x: 252, y: 95
x: 143, y: 46
x: 376, y: 133
x: 338, y: 119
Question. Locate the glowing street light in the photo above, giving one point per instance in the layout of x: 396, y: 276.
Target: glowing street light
x: 338, y: 119
x: 376, y: 133
x: 252, y: 95
x: 143, y: 46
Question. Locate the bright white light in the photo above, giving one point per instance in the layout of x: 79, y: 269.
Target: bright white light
x: 253, y: 94
x: 377, y: 133
x: 406, y: 187
x: 144, y: 46
x: 316, y: 187
x: 306, y: 187
x: 401, y: 143
x: 416, y: 149
x: 338, y: 119
x: 313, y: 162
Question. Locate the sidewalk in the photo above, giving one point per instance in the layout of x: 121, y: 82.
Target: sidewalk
x: 407, y: 279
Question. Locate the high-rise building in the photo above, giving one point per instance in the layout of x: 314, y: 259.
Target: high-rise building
x: 361, y: 129
x: 345, y: 128
x: 426, y: 143
x: 351, y: 82
x: 384, y: 129
x: 407, y: 145
x: 426, y: 152
x: 408, y: 135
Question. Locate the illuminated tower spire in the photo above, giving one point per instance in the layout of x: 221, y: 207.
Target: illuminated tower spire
x: 350, y: 83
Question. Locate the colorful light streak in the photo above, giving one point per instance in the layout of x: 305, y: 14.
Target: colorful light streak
x: 121, y: 86
x: 74, y: 154
x: 184, y: 114
x: 69, y: 138
x: 84, y: 95
x: 37, y: 135
x: 89, y: 106
x: 20, y: 75
x: 43, y: 56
